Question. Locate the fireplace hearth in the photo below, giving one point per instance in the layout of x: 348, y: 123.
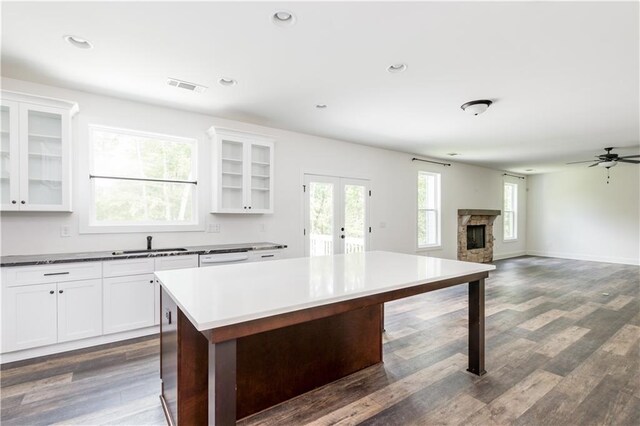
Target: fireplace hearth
x: 475, y: 235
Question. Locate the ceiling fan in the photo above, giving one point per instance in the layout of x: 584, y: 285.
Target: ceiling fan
x: 609, y: 159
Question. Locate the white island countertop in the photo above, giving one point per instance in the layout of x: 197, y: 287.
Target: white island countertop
x: 231, y: 294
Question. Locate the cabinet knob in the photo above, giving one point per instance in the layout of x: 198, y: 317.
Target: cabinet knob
x: 13, y: 201
x: 23, y: 202
x: 60, y: 291
x: 245, y: 207
x: 51, y: 291
x: 249, y: 206
x: 342, y: 236
x: 151, y: 281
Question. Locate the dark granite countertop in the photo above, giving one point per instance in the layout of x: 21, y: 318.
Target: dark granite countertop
x: 98, y: 256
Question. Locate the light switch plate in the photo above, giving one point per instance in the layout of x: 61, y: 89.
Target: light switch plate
x: 214, y: 227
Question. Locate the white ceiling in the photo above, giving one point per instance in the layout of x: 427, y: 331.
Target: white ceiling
x: 564, y: 77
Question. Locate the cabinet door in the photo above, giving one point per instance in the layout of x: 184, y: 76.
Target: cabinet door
x: 28, y: 316
x: 231, y: 176
x: 9, y: 156
x: 79, y: 309
x: 44, y: 158
x: 128, y: 302
x: 260, y: 177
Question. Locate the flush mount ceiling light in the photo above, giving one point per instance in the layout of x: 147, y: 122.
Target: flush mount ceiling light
x: 227, y: 81
x: 452, y: 154
x: 78, y: 42
x: 528, y: 170
x: 283, y: 18
x: 476, y: 107
x: 321, y: 106
x: 397, y: 68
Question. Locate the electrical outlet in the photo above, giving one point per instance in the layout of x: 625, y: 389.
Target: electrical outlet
x: 214, y: 227
x: 65, y: 231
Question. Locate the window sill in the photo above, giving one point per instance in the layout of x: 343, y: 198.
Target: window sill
x: 514, y: 240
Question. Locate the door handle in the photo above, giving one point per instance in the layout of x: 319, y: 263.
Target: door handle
x: 56, y: 273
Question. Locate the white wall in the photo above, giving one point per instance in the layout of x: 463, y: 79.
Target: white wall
x: 577, y: 215
x: 393, y: 181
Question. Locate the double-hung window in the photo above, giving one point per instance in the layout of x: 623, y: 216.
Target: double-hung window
x: 510, y: 215
x: 428, y: 209
x: 141, y: 181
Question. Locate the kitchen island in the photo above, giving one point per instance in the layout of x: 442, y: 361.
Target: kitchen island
x: 240, y: 338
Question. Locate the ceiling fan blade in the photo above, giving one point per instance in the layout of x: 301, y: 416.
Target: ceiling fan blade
x: 579, y: 162
x: 629, y: 156
x: 622, y: 160
x: 595, y: 164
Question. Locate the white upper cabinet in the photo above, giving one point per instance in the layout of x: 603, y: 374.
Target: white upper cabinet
x: 35, y: 172
x: 243, y: 172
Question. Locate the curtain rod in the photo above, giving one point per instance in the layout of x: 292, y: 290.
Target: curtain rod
x: 429, y: 161
x: 507, y: 174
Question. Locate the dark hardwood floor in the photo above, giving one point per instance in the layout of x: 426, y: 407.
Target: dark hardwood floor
x: 563, y: 348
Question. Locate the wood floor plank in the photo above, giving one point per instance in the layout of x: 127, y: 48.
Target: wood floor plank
x: 559, y: 342
x: 542, y: 319
x: 623, y: 341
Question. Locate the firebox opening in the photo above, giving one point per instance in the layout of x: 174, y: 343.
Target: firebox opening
x: 475, y: 237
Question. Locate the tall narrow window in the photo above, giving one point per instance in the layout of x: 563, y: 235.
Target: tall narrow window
x: 141, y: 179
x: 510, y: 214
x: 428, y: 209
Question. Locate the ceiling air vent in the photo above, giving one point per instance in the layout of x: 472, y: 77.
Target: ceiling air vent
x: 186, y: 85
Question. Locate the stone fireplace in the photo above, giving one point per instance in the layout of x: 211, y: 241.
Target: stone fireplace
x: 475, y: 235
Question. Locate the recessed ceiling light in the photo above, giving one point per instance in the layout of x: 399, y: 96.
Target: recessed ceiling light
x: 227, y: 81
x: 396, y: 68
x: 321, y: 106
x: 78, y: 42
x: 452, y: 154
x: 283, y: 18
x: 476, y: 107
x: 528, y: 170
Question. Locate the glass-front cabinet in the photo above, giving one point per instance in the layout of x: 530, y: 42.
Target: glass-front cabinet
x: 243, y: 172
x: 35, y: 172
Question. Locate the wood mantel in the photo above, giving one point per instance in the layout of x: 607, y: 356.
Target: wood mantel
x: 478, y: 212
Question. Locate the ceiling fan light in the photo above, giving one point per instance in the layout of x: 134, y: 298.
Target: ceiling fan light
x: 607, y: 164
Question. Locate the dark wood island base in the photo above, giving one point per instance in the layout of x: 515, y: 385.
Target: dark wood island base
x: 218, y: 376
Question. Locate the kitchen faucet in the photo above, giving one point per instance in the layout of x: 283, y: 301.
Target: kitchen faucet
x: 149, y: 242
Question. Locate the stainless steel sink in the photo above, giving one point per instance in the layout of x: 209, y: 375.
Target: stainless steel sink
x: 148, y: 251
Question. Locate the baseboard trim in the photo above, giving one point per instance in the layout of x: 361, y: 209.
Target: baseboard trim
x: 574, y: 256
x: 76, y: 344
x: 500, y: 256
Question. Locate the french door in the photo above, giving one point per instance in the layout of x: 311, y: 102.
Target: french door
x: 336, y: 213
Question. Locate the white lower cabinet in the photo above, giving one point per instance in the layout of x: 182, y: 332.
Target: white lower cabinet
x: 43, y: 314
x: 128, y: 302
x: 79, y: 309
x: 29, y: 317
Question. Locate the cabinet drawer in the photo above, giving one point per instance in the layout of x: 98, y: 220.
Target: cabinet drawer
x: 259, y: 256
x: 120, y: 268
x: 41, y: 274
x: 176, y: 262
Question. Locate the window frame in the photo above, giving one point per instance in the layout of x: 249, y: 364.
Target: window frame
x: 513, y: 211
x: 437, y: 210
x: 89, y: 224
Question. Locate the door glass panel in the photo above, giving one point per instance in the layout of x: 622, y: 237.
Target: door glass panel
x: 232, y: 175
x: 45, y: 157
x: 321, y: 203
x: 260, y: 176
x: 5, y: 154
x: 354, y: 218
